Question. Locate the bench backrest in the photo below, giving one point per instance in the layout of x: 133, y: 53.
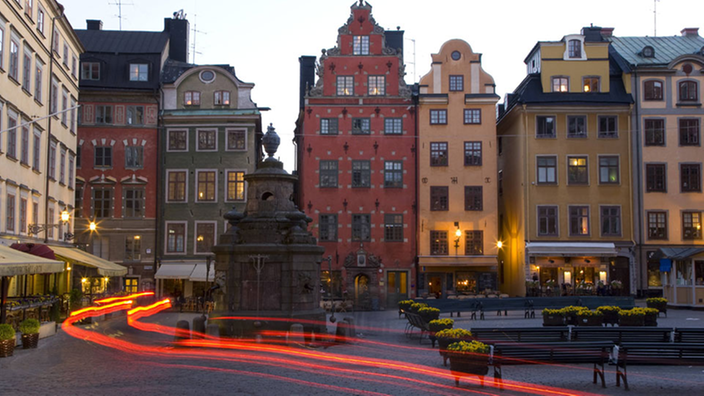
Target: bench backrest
x: 529, y: 334
x: 684, y: 335
x: 622, y: 334
x: 564, y: 352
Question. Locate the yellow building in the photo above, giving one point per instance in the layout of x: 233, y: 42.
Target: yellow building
x: 667, y: 79
x: 564, y: 172
x: 457, y: 230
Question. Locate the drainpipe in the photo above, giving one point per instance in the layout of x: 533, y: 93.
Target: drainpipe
x: 630, y: 195
x: 416, y: 99
x: 639, y: 176
x: 526, y: 199
x: 157, y: 206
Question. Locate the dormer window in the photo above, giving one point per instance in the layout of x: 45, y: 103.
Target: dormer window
x: 90, y: 71
x: 648, y: 52
x: 139, y: 72
x: 207, y: 76
x: 191, y: 98
x: 590, y: 84
x: 360, y: 45
x: 560, y: 84
x: 574, y: 49
x: 221, y: 98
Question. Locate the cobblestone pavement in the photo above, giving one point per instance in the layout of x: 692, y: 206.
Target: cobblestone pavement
x: 63, y: 365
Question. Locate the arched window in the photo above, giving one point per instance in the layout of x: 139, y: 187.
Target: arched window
x: 652, y: 90
x: 688, y: 91
x: 574, y: 48
x: 648, y: 52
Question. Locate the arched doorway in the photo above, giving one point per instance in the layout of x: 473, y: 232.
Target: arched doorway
x: 362, y: 298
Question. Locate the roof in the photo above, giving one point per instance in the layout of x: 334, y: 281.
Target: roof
x: 666, y: 48
x: 125, y: 42
x: 174, y: 69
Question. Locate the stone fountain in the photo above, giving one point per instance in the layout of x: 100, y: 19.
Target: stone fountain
x: 267, y: 263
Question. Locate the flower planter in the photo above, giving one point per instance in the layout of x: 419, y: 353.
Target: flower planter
x: 462, y: 364
x: 30, y: 341
x: 651, y: 320
x: 631, y: 320
x: 596, y: 320
x: 553, y: 320
x: 610, y: 318
x: 7, y: 347
x: 571, y: 318
x: 660, y: 306
x: 442, y: 346
x: 428, y: 317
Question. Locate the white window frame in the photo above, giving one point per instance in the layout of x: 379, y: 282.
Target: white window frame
x: 166, y: 238
x: 38, y: 83
x: 198, y: 131
x: 168, y: 139
x: 166, y: 185
x: 195, y: 236
x: 195, y: 185
x: 227, y: 138
x: 139, y: 72
x: 227, y: 181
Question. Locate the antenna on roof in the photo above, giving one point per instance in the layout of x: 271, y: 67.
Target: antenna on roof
x: 195, y: 34
x: 119, y: 4
x: 414, y: 59
x: 655, y: 18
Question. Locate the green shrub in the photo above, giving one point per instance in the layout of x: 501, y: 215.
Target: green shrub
x: 30, y: 326
x: 6, y: 332
x: 454, y: 333
x: 75, y: 297
x: 469, y: 347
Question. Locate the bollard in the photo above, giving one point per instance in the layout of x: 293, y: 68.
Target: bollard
x: 198, y: 326
x: 183, y: 331
x: 295, y: 335
x: 341, y: 331
x: 351, y: 332
x: 213, y: 330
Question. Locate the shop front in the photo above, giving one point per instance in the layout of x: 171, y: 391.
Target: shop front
x: 682, y: 272
x: 185, y: 281
x: 96, y: 276
x: 441, y: 277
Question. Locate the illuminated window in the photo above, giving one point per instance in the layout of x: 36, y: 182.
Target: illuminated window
x: 191, y: 98
x: 691, y: 225
x: 590, y: 84
x: 377, y: 85
x: 131, y: 285
x: 345, y: 85
x: 221, y: 98
x: 205, y: 237
x: 579, y: 220
x: 560, y: 84
x: 139, y: 72
x: 577, y: 170
x: 206, y: 186
x: 360, y: 45
x: 608, y: 170
x: 235, y: 186
x: 176, y: 189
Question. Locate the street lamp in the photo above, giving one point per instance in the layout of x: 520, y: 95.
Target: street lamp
x: 458, y: 235
x: 332, y: 317
x: 38, y: 228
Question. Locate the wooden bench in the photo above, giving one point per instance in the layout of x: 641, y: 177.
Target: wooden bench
x: 619, y: 335
x: 535, y: 335
x: 646, y: 353
x: 596, y: 353
x: 694, y: 336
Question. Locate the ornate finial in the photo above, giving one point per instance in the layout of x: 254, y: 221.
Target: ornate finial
x: 271, y: 142
x: 361, y: 3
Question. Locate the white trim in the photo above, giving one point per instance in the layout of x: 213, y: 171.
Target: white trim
x: 195, y: 186
x: 566, y: 54
x: 166, y: 238
x: 227, y: 181
x: 166, y: 187
x: 195, y: 236
x: 168, y: 136
x: 246, y: 138
x: 217, y: 135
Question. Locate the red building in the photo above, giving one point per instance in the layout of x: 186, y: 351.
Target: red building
x: 356, y: 159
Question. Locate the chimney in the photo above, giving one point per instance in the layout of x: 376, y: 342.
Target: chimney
x: 690, y: 32
x: 394, y: 39
x: 607, y: 33
x: 178, y: 30
x: 94, y: 24
x: 592, y: 34
x: 307, y: 77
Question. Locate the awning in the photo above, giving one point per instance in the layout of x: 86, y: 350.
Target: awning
x: 105, y: 267
x: 571, y: 249
x: 199, y: 273
x: 680, y: 253
x: 13, y: 262
x: 457, y: 261
x: 665, y: 265
x: 176, y: 271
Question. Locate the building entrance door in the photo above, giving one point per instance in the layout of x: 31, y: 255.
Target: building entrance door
x: 362, y: 298
x: 435, y: 285
x: 620, y: 271
x: 397, y: 287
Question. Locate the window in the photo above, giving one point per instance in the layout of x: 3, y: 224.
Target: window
x: 393, y: 174
x: 577, y: 170
x: 361, y: 227
x: 576, y: 126
x: 656, y: 178
x: 690, y: 178
x: 235, y: 186
x: 590, y: 84
x: 52, y: 162
x: 65, y: 59
x: 191, y: 98
x: 50, y: 231
x: 456, y: 83
x: 377, y: 85
x: 689, y: 131
x: 361, y: 173
x: 133, y: 252
x: 71, y: 169
x: 654, y: 132
x: 27, y: 70
x: 545, y: 127
x: 547, y: 221
x: 207, y: 140
x: 574, y: 49
x: 328, y: 174
x: 72, y: 124
x: 474, y: 243
x: 688, y: 91
x: 438, y: 154
x: 439, y: 198
x: 221, y: 98
x: 24, y: 150
x: 657, y: 225
x: 473, y: 198
x: 547, y: 170
x: 10, y: 213
x: 38, y: 78
x: 62, y: 167
x: 236, y: 139
x: 102, y: 203
x: 438, y: 117
x: 74, y: 68
x: 472, y: 116
x: 652, y: 90
x: 175, y: 237
x: 90, y: 71
x: 103, y: 157
x: 345, y: 85
x: 608, y: 127
x: 178, y: 140
x: 35, y: 212
x: 37, y: 149
x: 40, y: 20
x: 205, y: 237
x: 176, y: 189
x: 393, y: 228
x: 2, y: 43
x: 579, y: 220
x: 328, y: 126
x: 135, y: 115
x: 54, y: 97
x: 393, y: 126
x: 57, y: 40
x: 13, y: 71
x: 610, y: 221
x: 560, y: 84
x: 139, y: 72
x: 64, y: 107
x: 472, y: 153
x: 691, y: 225
x: 11, y: 135
x: 327, y: 227
x: 206, y: 186
x: 608, y: 170
x: 360, y: 45
x: 361, y: 126
x: 78, y: 155
x: 134, y: 203
x: 438, y: 243
x: 134, y: 157
x: 23, y: 215
x: 103, y: 114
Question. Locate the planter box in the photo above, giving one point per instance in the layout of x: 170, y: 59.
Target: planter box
x: 610, y: 318
x: 590, y: 320
x: 661, y: 307
x: 30, y: 341
x: 7, y: 347
x: 571, y: 319
x: 462, y: 364
x: 651, y: 320
x: 631, y: 321
x: 553, y: 320
x: 442, y: 346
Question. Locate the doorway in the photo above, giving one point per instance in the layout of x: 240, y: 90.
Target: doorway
x: 362, y: 298
x: 435, y: 285
x: 397, y: 287
x: 620, y: 271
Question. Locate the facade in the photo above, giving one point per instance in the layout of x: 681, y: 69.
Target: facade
x: 356, y: 159
x: 209, y: 140
x: 458, y: 214
x: 665, y: 74
x: 38, y: 94
x: 118, y: 146
x: 564, y: 171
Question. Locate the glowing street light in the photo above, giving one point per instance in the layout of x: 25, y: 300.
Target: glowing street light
x: 499, y: 244
x: 92, y: 226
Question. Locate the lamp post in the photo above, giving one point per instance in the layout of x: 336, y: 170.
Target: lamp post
x: 38, y: 228
x: 458, y: 235
x: 332, y: 317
